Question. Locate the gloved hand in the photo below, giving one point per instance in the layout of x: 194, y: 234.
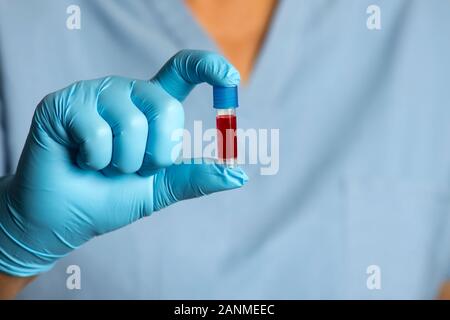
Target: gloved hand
x: 99, y: 157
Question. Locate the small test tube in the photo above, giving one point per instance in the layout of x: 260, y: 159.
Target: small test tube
x: 226, y: 102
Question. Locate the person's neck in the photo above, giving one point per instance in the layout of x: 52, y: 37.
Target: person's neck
x: 238, y: 27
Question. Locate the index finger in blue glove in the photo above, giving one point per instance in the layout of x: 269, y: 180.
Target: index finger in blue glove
x: 190, y: 67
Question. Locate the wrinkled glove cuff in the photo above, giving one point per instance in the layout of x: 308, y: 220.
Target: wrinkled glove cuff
x: 16, y: 258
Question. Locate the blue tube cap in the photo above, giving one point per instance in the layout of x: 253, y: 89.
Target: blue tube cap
x: 225, y: 97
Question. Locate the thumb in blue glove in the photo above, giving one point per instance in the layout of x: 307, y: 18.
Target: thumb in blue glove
x: 99, y: 157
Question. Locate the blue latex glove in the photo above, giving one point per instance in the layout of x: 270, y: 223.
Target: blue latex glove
x: 99, y: 157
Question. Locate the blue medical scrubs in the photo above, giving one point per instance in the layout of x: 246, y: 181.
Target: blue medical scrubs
x: 364, y: 172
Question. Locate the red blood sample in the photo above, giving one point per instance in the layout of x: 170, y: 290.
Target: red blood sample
x: 226, y: 137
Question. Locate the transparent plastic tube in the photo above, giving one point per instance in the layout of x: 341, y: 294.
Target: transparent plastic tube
x: 226, y: 102
x: 226, y: 124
